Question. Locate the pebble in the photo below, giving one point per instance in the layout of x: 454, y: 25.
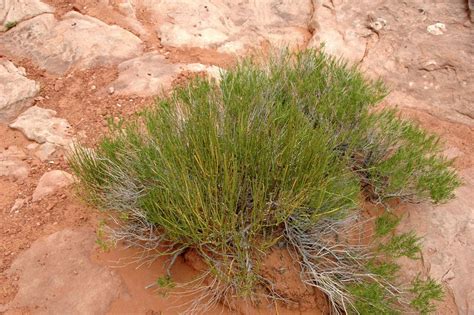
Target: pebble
x: 17, y: 205
x: 436, y: 29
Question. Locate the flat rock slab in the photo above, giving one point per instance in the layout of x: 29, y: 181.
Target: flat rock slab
x: 56, y: 276
x: 76, y: 41
x: 51, y: 182
x: 15, y: 11
x: 12, y: 163
x: 41, y: 125
x: 448, y: 241
x: 231, y: 27
x: 146, y: 75
x: 152, y: 73
x: 16, y: 90
x: 409, y: 46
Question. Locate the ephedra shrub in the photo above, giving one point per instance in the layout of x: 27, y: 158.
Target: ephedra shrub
x: 282, y: 151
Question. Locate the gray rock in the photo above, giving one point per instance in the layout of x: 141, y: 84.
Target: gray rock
x: 16, y: 90
x: 41, y: 125
x: 76, y: 41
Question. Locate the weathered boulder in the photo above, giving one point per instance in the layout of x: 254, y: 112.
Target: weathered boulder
x: 76, y: 41
x: 51, y: 182
x: 16, y: 90
x: 41, y: 125
x: 15, y: 11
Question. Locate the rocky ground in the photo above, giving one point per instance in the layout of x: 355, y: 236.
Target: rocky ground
x: 66, y: 66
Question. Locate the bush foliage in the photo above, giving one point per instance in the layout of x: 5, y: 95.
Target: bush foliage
x: 224, y: 168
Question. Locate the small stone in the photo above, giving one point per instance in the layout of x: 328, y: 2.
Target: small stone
x: 51, y: 182
x: 93, y: 87
x: 58, y: 85
x: 45, y: 151
x: 111, y: 90
x: 437, y: 29
x: 17, y: 205
x: 41, y: 125
x: 378, y: 24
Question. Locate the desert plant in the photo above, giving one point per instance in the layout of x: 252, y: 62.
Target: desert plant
x: 279, y: 151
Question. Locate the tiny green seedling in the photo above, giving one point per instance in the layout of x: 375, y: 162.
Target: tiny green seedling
x: 165, y: 283
x: 11, y: 24
x: 101, y: 240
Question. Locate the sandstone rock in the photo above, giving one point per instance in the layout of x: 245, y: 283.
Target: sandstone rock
x: 448, y: 239
x: 146, y: 75
x: 32, y: 146
x: 213, y: 72
x: 231, y: 27
x: 14, y: 11
x: 403, y: 53
x: 45, y: 151
x: 12, y: 163
x: 76, y: 41
x: 57, y: 276
x: 152, y: 73
x: 16, y: 91
x: 339, y: 39
x: 40, y: 125
x: 17, y: 205
x: 50, y: 182
x: 436, y: 29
